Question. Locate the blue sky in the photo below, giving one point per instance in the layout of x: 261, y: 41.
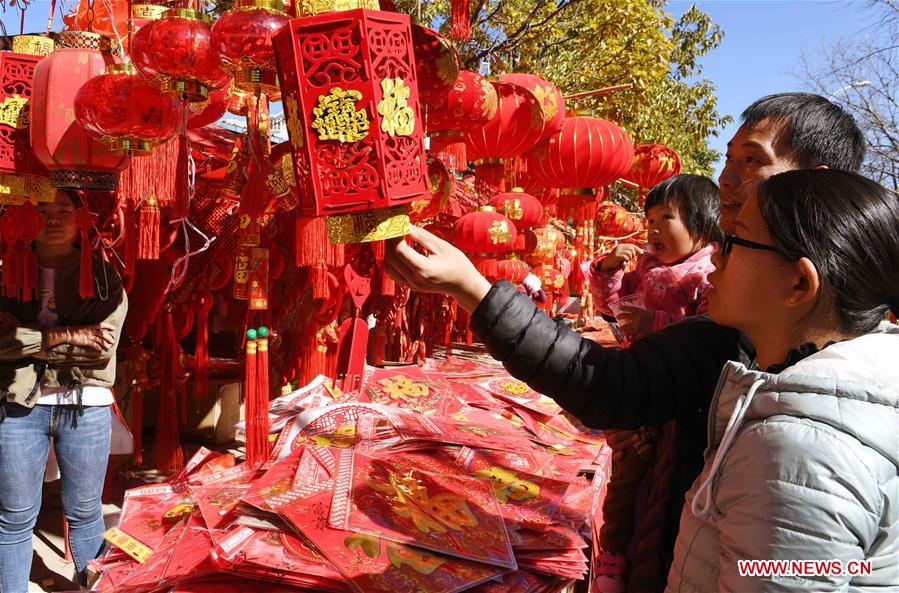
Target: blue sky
x: 763, y: 44
x: 760, y: 54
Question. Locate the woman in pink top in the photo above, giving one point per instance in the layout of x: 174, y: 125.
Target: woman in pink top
x: 668, y: 284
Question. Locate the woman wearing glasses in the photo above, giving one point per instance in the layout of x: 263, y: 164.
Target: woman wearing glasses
x: 803, y: 456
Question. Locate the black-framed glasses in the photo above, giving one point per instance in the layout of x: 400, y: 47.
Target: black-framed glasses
x: 727, y: 244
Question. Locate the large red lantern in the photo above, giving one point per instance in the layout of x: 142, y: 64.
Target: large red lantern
x: 21, y: 175
x: 74, y: 158
x: 210, y: 110
x: 126, y: 111
x: 483, y: 235
x: 176, y: 51
x: 587, y: 152
x: 469, y: 104
x: 352, y: 113
x: 515, y: 127
x: 437, y: 64
x: 653, y: 164
x: 521, y: 208
x: 547, y: 93
x: 244, y: 37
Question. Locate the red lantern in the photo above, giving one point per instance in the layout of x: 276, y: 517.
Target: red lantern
x: 587, y: 152
x: 437, y: 64
x: 579, y: 204
x: 551, y: 99
x: 176, y: 51
x: 352, y: 113
x: 515, y: 127
x: 523, y: 209
x: 483, y: 235
x: 653, y: 164
x: 244, y: 37
x: 469, y: 104
x: 73, y: 157
x: 21, y: 175
x: 512, y: 269
x: 126, y: 111
x: 615, y: 222
x: 543, y: 245
x: 211, y: 110
x: 440, y: 185
x: 552, y: 279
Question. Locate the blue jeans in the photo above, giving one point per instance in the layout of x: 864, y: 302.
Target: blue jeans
x: 82, y: 450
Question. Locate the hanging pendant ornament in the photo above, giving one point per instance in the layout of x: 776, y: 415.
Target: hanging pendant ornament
x: 355, y: 130
x: 84, y: 222
x: 243, y: 37
x: 19, y: 226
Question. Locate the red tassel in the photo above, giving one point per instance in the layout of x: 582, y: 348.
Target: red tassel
x: 182, y: 174
x: 201, y: 352
x: 257, y: 408
x: 28, y: 274
x: 86, y: 274
x: 461, y: 20
x: 386, y: 285
x: 319, y: 281
x: 148, y: 230
x: 492, y: 173
x: 137, y: 423
x: 450, y: 148
x: 312, y: 245
x: 168, y: 453
x: 250, y: 397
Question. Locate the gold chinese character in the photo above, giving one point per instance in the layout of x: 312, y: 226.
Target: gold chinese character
x: 13, y: 113
x: 508, y: 486
x: 499, y: 232
x: 402, y: 388
x: 336, y: 116
x: 397, y: 118
x: 294, y: 125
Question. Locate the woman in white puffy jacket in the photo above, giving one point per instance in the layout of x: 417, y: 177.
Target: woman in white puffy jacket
x: 802, y: 457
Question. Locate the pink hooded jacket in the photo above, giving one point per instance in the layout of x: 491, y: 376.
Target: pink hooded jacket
x: 672, y: 292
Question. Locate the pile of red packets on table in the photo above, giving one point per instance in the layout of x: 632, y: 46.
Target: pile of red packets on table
x: 450, y: 477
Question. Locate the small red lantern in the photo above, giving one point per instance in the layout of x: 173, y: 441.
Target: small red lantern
x: 73, y: 157
x: 523, y: 209
x: 587, y: 152
x: 547, y: 93
x: 125, y: 111
x: 512, y: 269
x: 543, y: 245
x: 352, y: 113
x: 176, y: 51
x: 21, y: 175
x: 243, y: 37
x: 515, y: 127
x: 580, y: 204
x: 437, y: 64
x: 211, y: 110
x: 483, y: 235
x: 653, y: 164
x: 469, y: 104
x: 440, y: 186
x: 615, y: 222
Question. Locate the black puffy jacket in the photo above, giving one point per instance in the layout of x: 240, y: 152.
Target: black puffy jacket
x: 669, y: 374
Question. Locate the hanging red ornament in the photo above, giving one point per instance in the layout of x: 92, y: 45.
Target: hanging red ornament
x: 521, y: 208
x: 168, y: 455
x: 483, y: 235
x: 74, y: 158
x: 653, y: 164
x: 586, y: 153
x: 549, y: 95
x: 243, y: 37
x: 516, y: 126
x: 460, y: 20
x: 212, y: 109
x: 19, y: 227
x: 176, y: 52
x: 125, y: 111
x: 512, y: 269
x: 84, y: 222
x: 614, y: 222
x: 579, y: 204
x: 436, y: 63
x: 440, y: 187
x: 469, y: 104
x: 21, y: 175
x: 355, y: 130
x: 543, y: 245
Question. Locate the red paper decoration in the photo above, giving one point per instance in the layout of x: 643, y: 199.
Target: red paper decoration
x: 74, y: 158
x: 244, y: 37
x: 587, y: 152
x: 352, y: 113
x: 177, y: 52
x: 515, y: 127
x: 653, y: 164
x: 551, y: 99
x: 126, y: 111
x: 436, y: 63
x: 21, y: 175
x: 521, y: 208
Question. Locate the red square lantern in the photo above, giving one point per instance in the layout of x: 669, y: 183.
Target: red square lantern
x: 21, y: 175
x: 351, y: 106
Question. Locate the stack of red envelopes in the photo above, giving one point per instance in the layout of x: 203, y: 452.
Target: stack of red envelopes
x: 451, y: 477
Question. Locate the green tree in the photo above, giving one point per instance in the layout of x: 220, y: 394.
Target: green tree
x: 589, y: 44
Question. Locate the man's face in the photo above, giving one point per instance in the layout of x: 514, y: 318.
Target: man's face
x: 754, y: 153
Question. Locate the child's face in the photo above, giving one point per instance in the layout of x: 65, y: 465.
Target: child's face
x: 669, y: 238
x: 750, y: 286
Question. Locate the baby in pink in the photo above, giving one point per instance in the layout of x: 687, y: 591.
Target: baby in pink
x: 671, y: 277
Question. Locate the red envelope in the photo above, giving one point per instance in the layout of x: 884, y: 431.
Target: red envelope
x: 518, y: 393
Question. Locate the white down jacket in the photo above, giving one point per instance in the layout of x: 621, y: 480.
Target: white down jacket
x: 800, y: 466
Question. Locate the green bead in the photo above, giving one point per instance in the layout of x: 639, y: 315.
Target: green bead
x: 263, y: 332
x: 251, y: 334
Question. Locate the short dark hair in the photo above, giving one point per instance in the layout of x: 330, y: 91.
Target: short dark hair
x: 848, y: 226
x: 73, y: 194
x: 697, y: 197
x: 817, y: 131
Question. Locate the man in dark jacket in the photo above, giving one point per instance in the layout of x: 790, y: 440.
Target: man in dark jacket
x: 670, y: 374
